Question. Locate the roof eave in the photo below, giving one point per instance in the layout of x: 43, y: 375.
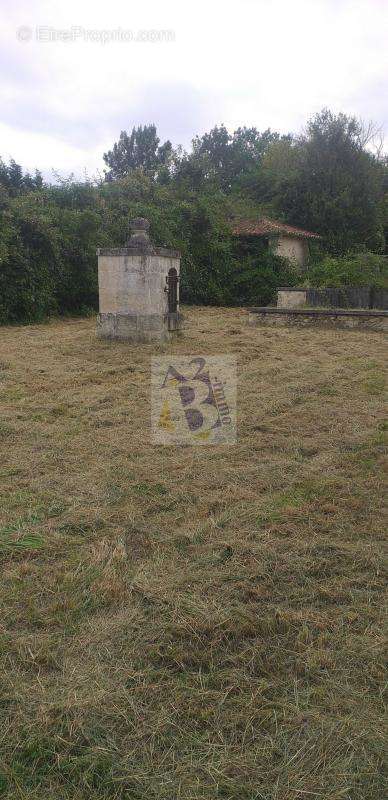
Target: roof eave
x: 273, y: 234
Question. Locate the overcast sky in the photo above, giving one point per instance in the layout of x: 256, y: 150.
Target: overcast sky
x: 66, y: 95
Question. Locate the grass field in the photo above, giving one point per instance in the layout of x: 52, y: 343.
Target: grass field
x: 191, y: 623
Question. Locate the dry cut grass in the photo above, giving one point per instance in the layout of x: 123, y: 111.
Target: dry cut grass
x: 191, y: 623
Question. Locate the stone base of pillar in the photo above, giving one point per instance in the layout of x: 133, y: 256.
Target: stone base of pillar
x: 139, y: 327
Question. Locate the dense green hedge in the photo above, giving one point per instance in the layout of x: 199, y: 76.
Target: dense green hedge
x: 49, y: 236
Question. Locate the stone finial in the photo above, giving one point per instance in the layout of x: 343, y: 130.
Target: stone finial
x: 139, y: 232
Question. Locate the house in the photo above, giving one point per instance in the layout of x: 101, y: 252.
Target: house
x: 284, y: 240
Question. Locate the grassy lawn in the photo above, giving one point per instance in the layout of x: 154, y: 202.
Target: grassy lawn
x: 191, y: 623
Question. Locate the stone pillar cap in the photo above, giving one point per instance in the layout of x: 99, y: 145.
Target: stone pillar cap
x: 139, y: 224
x: 139, y: 233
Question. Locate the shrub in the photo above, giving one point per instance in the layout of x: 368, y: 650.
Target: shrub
x: 354, y: 269
x: 257, y: 278
x: 29, y: 264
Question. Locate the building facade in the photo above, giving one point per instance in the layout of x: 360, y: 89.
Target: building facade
x: 284, y: 240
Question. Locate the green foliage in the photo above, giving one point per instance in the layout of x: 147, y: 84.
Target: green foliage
x: 229, y: 162
x: 353, y: 269
x: 326, y: 181
x: 47, y: 258
x: 257, y: 278
x: 138, y: 150
x: 13, y: 180
x: 29, y: 262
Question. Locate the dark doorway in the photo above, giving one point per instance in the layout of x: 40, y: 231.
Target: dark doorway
x: 172, y: 290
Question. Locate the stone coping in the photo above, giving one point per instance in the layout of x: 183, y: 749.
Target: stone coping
x: 139, y: 250
x: 321, y: 288
x: 317, y: 312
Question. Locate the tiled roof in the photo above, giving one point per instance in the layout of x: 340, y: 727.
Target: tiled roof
x: 269, y: 227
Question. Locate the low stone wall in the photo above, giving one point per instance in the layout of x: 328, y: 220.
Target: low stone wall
x: 346, y: 297
x: 330, y: 318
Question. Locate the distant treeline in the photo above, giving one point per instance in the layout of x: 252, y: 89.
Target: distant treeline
x: 327, y: 180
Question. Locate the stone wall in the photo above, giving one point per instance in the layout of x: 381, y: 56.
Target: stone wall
x: 344, y: 297
x: 330, y: 318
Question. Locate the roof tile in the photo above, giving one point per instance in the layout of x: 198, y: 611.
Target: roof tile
x: 269, y: 227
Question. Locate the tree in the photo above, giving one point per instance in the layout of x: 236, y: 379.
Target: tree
x: 14, y: 182
x: 328, y: 182
x: 226, y: 161
x: 138, y: 150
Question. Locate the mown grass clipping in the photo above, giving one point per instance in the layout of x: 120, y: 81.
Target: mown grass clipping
x: 183, y: 623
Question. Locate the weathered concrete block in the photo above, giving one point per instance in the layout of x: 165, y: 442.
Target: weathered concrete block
x: 291, y: 298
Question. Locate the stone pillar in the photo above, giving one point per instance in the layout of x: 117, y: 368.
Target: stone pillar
x: 139, y: 289
x: 290, y: 297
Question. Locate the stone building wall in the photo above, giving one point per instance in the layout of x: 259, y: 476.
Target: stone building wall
x: 294, y: 249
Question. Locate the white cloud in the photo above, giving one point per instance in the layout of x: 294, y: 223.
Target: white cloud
x: 259, y: 62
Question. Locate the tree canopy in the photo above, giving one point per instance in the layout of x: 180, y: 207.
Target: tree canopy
x: 328, y: 182
x: 140, y: 149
